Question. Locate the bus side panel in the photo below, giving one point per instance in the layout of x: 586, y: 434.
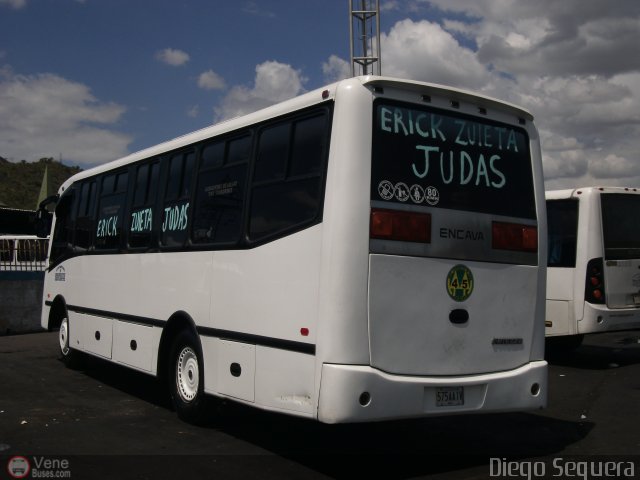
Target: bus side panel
x: 236, y: 365
x: 133, y: 344
x: 269, y: 378
x: 282, y: 280
x: 285, y: 380
x: 559, y: 317
x: 91, y: 334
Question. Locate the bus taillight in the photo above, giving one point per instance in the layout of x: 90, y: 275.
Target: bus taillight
x: 594, y: 290
x: 400, y: 226
x: 514, y: 236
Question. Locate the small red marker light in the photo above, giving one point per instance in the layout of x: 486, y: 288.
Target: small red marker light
x: 325, y: 94
x: 304, y: 332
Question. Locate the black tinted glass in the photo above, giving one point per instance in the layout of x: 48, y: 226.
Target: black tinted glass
x: 621, y: 225
x: 562, y: 221
x: 432, y: 157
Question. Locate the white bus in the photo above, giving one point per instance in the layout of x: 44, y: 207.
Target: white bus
x: 593, y: 282
x: 371, y: 250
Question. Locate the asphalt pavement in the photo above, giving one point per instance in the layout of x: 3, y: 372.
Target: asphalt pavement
x: 105, y: 421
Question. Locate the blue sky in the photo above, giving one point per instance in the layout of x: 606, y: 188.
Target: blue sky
x: 88, y: 81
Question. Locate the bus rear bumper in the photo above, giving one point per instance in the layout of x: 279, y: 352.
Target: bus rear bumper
x: 351, y: 393
x: 600, y: 318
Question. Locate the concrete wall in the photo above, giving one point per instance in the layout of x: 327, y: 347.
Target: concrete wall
x: 20, y: 302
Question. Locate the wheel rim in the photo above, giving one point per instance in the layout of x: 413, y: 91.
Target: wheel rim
x: 63, y: 337
x: 187, y: 374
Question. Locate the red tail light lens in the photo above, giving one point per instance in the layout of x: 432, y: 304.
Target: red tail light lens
x: 400, y: 226
x: 514, y: 236
x: 594, y: 289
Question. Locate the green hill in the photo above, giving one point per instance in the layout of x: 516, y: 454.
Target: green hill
x: 20, y: 182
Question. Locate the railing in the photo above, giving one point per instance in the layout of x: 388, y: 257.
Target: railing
x: 23, y: 253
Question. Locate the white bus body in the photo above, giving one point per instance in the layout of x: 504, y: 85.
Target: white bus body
x: 377, y: 253
x: 593, y: 282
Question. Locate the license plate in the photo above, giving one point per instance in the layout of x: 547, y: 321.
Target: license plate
x: 449, y: 396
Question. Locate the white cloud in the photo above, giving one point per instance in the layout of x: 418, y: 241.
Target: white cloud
x: 573, y: 64
x: 193, y: 111
x: 173, y: 57
x: 252, y: 8
x: 46, y: 116
x: 613, y: 166
x: 274, y: 82
x: 389, y: 5
x: 425, y: 51
x: 335, y: 68
x: 210, y: 80
x: 567, y: 37
x: 15, y: 4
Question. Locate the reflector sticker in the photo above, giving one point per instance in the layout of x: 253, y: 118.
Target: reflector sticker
x: 460, y: 283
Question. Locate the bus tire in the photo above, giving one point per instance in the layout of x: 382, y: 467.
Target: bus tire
x: 186, y: 378
x: 69, y: 356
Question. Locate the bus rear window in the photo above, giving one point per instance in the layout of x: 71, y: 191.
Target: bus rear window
x: 431, y: 157
x: 621, y: 225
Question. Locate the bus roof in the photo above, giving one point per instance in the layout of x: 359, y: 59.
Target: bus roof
x: 572, y: 193
x: 305, y: 100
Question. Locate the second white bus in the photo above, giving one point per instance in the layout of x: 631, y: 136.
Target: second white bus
x: 593, y: 282
x: 371, y: 250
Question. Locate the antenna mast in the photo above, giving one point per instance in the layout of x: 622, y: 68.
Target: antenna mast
x: 364, y: 26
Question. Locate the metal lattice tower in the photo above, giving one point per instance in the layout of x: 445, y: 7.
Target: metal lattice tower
x: 364, y: 26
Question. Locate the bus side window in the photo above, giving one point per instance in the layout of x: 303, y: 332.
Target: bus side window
x: 220, y: 191
x: 287, y: 198
x: 562, y: 221
x: 176, y: 209
x: 142, y: 212
x: 85, y: 221
x: 108, y: 231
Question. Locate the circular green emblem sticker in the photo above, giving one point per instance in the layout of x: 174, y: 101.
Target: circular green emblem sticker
x: 459, y: 283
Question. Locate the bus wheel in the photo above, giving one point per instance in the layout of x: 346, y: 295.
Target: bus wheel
x: 69, y: 356
x: 186, y: 378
